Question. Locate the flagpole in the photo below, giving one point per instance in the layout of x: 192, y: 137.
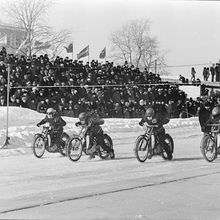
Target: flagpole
x: 88, y: 58
x: 7, y: 119
x: 105, y: 54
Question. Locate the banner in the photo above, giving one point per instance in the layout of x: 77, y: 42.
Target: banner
x: 102, y: 55
x: 69, y: 49
x: 83, y: 53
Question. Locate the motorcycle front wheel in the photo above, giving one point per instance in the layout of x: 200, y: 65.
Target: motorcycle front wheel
x: 38, y: 146
x: 142, y: 148
x: 74, y: 149
x: 208, y: 148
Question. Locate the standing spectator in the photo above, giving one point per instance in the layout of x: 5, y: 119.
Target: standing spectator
x: 217, y: 72
x: 204, y: 74
x: 212, y: 70
x: 207, y: 73
x: 193, y: 74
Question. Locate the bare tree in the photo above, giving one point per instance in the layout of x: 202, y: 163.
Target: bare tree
x: 133, y: 42
x: 59, y: 41
x: 30, y: 14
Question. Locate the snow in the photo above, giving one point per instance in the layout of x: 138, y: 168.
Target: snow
x: 22, y: 127
x: 56, y: 188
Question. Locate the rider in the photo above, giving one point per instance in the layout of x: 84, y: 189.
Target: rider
x: 204, y: 114
x: 94, y: 131
x: 56, y: 124
x: 214, y: 119
x: 158, y: 119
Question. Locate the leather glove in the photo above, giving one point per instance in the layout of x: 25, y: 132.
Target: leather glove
x: 77, y: 124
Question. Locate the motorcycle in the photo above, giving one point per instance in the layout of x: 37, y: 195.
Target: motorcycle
x: 147, y: 145
x: 44, y: 141
x: 77, y: 145
x: 210, y: 143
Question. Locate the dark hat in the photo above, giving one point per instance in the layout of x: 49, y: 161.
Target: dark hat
x: 206, y: 103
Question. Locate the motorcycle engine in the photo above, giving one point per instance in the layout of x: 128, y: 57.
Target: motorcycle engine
x: 53, y: 148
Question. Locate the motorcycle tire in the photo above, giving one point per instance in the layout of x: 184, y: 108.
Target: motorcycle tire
x: 64, y: 141
x: 208, y: 146
x: 38, y: 146
x: 108, y: 141
x: 142, y: 145
x: 74, y: 149
x: 170, y: 143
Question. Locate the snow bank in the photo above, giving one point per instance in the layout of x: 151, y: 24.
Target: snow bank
x: 22, y: 126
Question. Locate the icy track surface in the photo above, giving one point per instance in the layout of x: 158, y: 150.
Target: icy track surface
x: 53, y: 187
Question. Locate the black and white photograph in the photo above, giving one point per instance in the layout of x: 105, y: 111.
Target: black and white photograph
x: 109, y: 109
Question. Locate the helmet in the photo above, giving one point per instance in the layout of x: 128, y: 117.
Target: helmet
x: 51, y: 111
x: 149, y: 112
x: 216, y: 112
x: 82, y: 116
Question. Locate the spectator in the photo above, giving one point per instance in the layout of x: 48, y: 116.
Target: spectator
x: 193, y: 74
x: 212, y: 70
x: 78, y: 93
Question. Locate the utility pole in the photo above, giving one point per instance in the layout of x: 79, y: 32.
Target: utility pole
x: 155, y: 66
x: 7, y: 119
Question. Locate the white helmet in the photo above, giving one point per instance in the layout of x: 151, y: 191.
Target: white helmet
x: 51, y: 111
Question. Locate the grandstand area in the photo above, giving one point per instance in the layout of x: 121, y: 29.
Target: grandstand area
x: 112, y: 91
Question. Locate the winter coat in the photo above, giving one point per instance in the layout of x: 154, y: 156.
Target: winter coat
x: 204, y: 116
x: 56, y: 123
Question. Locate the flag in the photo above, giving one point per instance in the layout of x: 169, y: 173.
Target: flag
x: 83, y: 53
x: 69, y: 49
x: 38, y: 45
x: 3, y: 40
x: 102, y: 54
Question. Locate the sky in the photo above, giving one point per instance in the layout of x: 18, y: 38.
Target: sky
x: 188, y: 31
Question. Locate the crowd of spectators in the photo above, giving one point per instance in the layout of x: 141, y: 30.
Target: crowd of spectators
x: 72, y: 87
x: 212, y: 73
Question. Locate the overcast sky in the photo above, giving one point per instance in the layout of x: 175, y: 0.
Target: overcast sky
x: 188, y: 30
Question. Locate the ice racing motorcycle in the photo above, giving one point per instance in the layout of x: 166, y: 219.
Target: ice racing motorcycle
x: 77, y: 145
x: 147, y: 145
x: 210, y: 143
x: 44, y: 141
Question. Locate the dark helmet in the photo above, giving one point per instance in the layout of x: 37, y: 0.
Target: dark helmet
x: 216, y: 112
x: 82, y: 116
x: 149, y: 112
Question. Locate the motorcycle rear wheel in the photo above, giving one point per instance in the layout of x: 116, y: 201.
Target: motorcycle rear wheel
x: 208, y: 148
x: 74, y: 149
x: 142, y: 148
x: 170, y: 143
x: 108, y: 141
x: 64, y: 141
x: 39, y: 146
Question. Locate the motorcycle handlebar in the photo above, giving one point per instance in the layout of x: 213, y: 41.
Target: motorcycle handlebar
x: 47, y: 127
x: 150, y: 126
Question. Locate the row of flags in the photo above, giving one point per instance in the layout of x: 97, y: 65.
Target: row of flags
x: 84, y: 52
x: 38, y: 45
